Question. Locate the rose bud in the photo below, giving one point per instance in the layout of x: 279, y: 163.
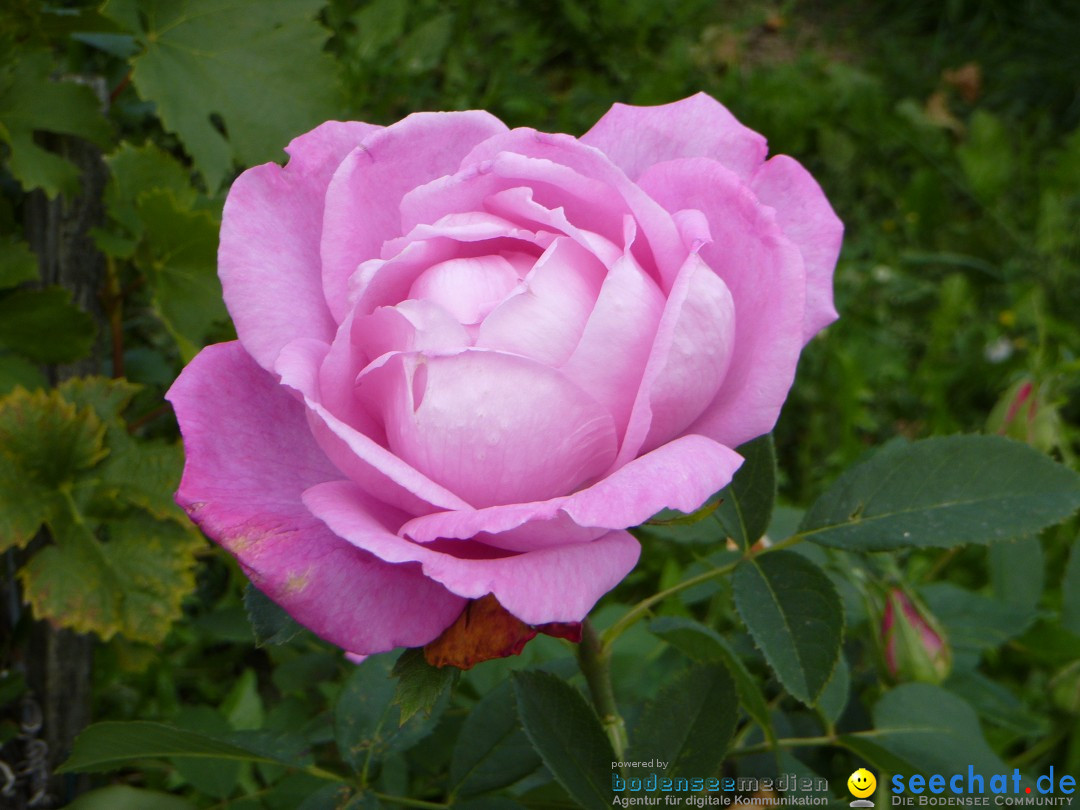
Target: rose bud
x: 1028, y: 414
x: 469, y: 358
x: 913, y: 645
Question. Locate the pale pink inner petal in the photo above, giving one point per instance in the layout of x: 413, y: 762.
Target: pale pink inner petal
x: 492, y: 427
x: 410, y: 326
x: 545, y: 317
x: 467, y: 288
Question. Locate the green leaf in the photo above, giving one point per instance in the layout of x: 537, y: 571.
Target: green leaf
x: 143, y: 472
x: 423, y: 48
x: 1017, y: 572
x: 243, y: 707
x: 18, y: 372
x: 263, y: 76
x: 704, y: 644
x: 135, y: 170
x: 419, y: 684
x: 180, y: 262
x: 269, y: 621
x: 378, y: 25
x: 567, y: 735
x: 47, y: 438
x: 367, y: 724
x: 1070, y: 592
x: 746, y: 503
x: 45, y: 326
x: 796, y: 618
x: 105, y: 397
x: 122, y: 797
x: 987, y: 156
x: 834, y: 697
x: 31, y: 101
x: 132, y: 583
x: 690, y: 723
x: 973, y: 622
x: 17, y: 263
x: 492, y: 750
x: 110, y: 745
x: 943, y: 492
x: 934, y: 730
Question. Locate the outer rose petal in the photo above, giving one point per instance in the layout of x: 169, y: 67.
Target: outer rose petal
x: 764, y: 272
x: 559, y: 584
x: 364, y: 197
x: 249, y: 458
x: 810, y: 222
x: 269, y: 253
x: 354, y: 453
x: 635, y: 138
x: 680, y: 475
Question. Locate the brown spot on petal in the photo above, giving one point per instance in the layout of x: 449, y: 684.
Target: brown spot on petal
x: 486, y: 630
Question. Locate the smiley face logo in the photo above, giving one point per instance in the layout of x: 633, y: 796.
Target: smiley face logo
x: 862, y: 783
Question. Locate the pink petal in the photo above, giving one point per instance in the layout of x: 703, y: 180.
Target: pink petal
x: 764, y: 272
x: 497, y: 164
x: 810, y: 222
x: 363, y: 199
x: 410, y: 326
x: 636, y: 138
x: 690, y: 355
x: 610, y: 358
x: 467, y: 288
x: 545, y: 317
x: 356, y: 454
x: 491, y: 427
x: 269, y: 253
x: 249, y: 458
x: 681, y: 475
x: 559, y: 584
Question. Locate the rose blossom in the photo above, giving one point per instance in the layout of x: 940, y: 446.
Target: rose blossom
x: 470, y: 358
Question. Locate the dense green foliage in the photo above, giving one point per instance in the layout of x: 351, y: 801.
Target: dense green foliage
x: 945, y: 135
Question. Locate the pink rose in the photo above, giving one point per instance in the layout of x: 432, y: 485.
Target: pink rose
x: 470, y: 357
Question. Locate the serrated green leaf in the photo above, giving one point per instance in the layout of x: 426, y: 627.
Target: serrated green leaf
x: 943, y: 492
x: 143, y: 472
x: 131, y: 583
x: 690, y: 723
x: 110, y: 745
x: 492, y: 750
x: 48, y: 438
x: 264, y: 76
x: 792, y: 611
x: 567, y: 735
x: 24, y: 505
x: 704, y: 644
x: 420, y: 685
x: 31, y: 101
x: 746, y: 504
x: 135, y: 170
x: 105, y: 397
x: 17, y: 263
x: 179, y: 257
x: 366, y: 721
x: 269, y: 621
x: 45, y: 326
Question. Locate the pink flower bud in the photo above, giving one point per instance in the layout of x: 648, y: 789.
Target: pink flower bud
x: 914, y: 646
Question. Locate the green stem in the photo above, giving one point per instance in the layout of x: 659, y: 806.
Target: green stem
x: 594, y: 659
x: 789, y: 742
x: 642, y: 608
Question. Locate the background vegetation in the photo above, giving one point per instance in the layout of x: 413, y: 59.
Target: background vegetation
x: 945, y: 135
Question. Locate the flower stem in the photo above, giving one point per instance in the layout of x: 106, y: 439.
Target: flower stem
x: 595, y: 661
